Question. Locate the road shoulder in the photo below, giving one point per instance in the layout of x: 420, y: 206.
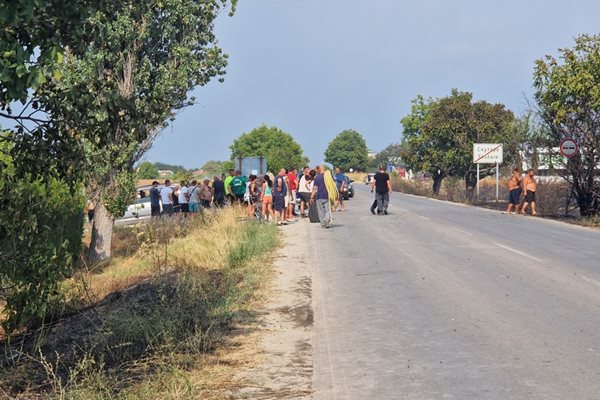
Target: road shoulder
x: 284, y: 364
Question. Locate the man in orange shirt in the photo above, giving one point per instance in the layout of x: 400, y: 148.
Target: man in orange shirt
x: 514, y: 188
x: 530, y: 187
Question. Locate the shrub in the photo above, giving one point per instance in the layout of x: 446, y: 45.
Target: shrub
x: 41, y: 225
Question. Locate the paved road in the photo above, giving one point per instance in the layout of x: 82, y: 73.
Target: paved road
x: 442, y: 301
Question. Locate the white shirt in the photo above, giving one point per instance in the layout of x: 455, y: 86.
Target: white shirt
x: 164, y: 195
x: 182, y: 195
x: 303, y: 187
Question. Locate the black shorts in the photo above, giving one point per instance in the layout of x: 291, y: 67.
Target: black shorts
x: 305, y: 197
x: 155, y: 211
x: 278, y: 203
x: 239, y: 198
x: 514, y: 196
x: 185, y: 207
x: 530, y: 197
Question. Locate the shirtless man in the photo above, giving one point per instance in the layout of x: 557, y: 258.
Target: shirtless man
x: 514, y: 188
x: 530, y: 187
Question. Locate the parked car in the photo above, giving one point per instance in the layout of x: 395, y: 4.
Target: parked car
x: 139, y: 209
x: 349, y: 192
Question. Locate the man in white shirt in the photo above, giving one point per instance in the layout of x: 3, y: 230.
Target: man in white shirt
x: 166, y: 197
x: 183, y: 197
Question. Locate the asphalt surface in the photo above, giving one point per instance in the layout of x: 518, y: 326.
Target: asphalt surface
x: 442, y: 301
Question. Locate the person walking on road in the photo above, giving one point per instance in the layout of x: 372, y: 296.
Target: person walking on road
x: 514, y: 189
x: 340, y: 183
x: 530, y: 188
x: 321, y: 196
x: 382, y: 185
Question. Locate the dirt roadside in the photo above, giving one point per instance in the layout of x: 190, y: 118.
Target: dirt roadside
x: 284, y: 364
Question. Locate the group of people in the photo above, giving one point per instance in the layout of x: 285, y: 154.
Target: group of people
x: 273, y: 197
x: 522, y: 192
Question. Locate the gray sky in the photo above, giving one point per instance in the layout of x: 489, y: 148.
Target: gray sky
x: 316, y: 67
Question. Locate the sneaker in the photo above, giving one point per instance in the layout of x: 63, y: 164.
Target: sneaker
x: 385, y: 212
x: 372, y: 211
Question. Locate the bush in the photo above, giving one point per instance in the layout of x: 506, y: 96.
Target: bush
x: 41, y: 225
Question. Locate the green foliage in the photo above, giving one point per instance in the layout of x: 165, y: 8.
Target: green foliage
x: 391, y: 154
x: 568, y: 94
x: 216, y: 168
x: 348, y: 150
x: 119, y: 94
x: 170, y: 167
x: 279, y: 147
x: 439, y: 134
x: 41, y: 223
x: 147, y: 170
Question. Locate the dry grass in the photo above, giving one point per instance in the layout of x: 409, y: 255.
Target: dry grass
x: 168, y: 333
x: 551, y: 195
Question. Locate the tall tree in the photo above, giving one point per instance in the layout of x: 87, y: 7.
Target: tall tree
x: 348, y: 150
x: 569, y: 100
x: 439, y: 134
x: 391, y: 154
x: 118, y: 95
x: 279, y: 147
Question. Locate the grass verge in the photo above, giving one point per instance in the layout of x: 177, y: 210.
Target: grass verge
x: 152, y: 324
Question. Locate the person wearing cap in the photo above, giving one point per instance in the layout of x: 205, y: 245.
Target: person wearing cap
x: 155, y: 200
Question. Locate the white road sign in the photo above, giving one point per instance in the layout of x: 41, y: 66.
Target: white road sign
x: 487, y: 153
x: 568, y: 148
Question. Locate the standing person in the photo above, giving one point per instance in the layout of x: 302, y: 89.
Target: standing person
x: 194, y: 197
x: 514, y: 190
x: 182, y: 197
x: 340, y: 183
x: 166, y: 197
x: 218, y: 192
x: 305, y: 189
x: 530, y: 187
x: 266, y: 198
x: 237, y: 187
x: 155, y: 200
x: 320, y: 195
x: 206, y: 194
x: 251, y: 195
x: 292, y: 181
x: 228, y: 193
x: 279, y: 195
x: 383, y: 186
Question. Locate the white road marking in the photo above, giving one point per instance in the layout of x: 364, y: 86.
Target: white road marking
x: 518, y: 252
x: 461, y: 231
x: 425, y: 218
x: 590, y: 280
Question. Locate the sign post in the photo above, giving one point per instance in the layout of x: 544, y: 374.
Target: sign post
x: 488, y: 153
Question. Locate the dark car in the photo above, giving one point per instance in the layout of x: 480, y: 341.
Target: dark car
x: 348, y: 193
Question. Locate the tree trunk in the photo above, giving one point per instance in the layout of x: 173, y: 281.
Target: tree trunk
x: 438, y: 176
x: 471, y: 179
x: 102, y: 230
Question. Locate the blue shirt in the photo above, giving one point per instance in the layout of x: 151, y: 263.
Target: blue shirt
x: 319, y: 182
x: 154, y: 197
x: 276, y: 187
x: 339, y: 179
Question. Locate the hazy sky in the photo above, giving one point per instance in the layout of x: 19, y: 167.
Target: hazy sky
x: 316, y: 67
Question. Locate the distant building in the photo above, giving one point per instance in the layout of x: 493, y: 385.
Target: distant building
x: 165, y: 173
